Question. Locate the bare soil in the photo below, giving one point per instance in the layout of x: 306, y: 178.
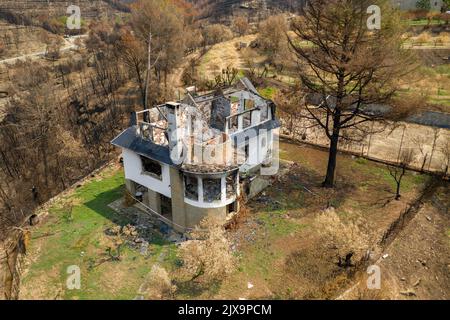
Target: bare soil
x: 417, y: 262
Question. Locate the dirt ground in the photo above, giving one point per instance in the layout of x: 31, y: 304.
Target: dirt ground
x: 433, y: 57
x: 419, y: 259
x: 417, y: 264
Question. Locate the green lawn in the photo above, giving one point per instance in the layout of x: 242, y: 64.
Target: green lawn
x: 380, y: 174
x: 62, y: 241
x: 424, y: 22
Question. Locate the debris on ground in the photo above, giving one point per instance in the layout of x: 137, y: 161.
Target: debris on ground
x: 408, y: 293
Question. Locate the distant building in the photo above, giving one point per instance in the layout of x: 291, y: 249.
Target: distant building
x: 436, y: 5
x: 189, y: 159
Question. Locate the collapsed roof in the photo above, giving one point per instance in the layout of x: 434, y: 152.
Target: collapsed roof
x: 217, y: 118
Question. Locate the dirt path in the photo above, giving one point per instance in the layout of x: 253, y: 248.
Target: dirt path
x: 418, y: 266
x: 416, y: 263
x: 69, y: 45
x: 175, y: 78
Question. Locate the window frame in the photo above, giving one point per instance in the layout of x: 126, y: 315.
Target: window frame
x: 150, y: 173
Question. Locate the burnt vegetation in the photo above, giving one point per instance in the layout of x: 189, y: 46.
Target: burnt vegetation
x: 63, y: 110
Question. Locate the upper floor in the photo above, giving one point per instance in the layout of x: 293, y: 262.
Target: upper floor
x: 214, y: 132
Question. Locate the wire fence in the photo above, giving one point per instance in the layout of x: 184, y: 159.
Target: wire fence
x: 430, y: 146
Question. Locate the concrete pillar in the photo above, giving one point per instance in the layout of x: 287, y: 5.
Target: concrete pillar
x: 153, y: 201
x: 240, y: 122
x: 200, y: 190
x: 256, y: 117
x: 131, y: 187
x: 223, y: 188
x: 177, y: 191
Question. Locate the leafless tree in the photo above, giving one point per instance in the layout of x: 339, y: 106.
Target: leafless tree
x: 347, y: 65
x: 241, y: 25
x: 445, y: 150
x: 397, y: 172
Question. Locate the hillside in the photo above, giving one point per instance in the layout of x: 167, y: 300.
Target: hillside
x: 38, y: 9
x: 220, y: 9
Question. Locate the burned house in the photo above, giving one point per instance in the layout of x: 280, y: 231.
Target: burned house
x: 188, y: 159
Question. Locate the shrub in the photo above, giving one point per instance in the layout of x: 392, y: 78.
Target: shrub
x: 208, y: 255
x: 348, y: 239
x: 422, y: 39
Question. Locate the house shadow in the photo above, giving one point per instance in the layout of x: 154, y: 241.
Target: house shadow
x: 100, y: 205
x: 136, y: 226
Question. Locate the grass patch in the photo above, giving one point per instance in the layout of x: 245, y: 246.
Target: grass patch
x: 424, y: 22
x: 81, y: 241
x: 277, y: 225
x: 380, y: 173
x: 268, y: 93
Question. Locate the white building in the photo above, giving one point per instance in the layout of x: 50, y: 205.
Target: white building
x: 192, y: 158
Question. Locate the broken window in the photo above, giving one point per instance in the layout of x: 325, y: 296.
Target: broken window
x: 232, y: 208
x: 166, y: 206
x: 146, y: 131
x: 231, y: 185
x: 212, y: 190
x: 192, y: 129
x: 151, y: 167
x: 191, y: 187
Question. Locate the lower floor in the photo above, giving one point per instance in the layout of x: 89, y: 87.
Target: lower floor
x: 181, y: 215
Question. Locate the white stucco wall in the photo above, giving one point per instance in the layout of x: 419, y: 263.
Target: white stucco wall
x: 258, y: 149
x: 133, y: 171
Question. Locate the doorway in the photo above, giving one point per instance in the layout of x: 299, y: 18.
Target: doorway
x: 166, y: 207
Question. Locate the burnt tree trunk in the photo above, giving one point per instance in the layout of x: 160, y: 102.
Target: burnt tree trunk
x: 332, y: 157
x: 397, y: 192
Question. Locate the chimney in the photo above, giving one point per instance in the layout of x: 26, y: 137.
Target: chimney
x: 175, y: 131
x: 133, y: 119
